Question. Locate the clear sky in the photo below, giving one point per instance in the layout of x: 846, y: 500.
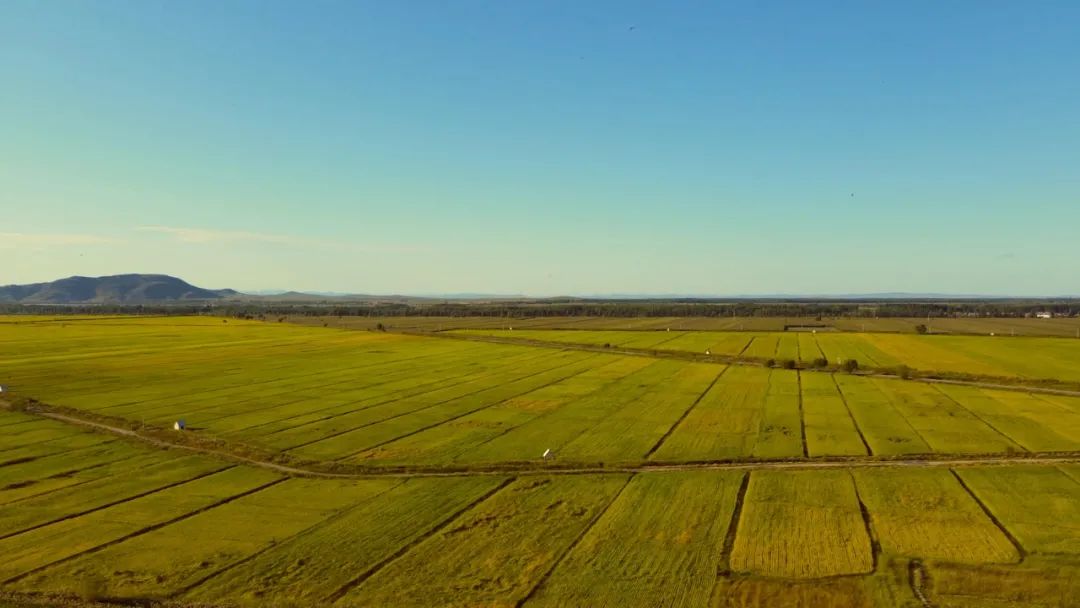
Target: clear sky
x: 544, y: 147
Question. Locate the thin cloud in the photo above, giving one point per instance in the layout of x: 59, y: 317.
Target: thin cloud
x: 204, y: 236
x: 11, y: 240
x: 200, y: 235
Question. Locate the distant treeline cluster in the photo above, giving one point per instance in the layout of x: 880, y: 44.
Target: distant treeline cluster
x: 577, y: 308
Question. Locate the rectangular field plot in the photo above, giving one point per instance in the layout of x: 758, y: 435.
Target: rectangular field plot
x: 38, y: 548
x: 497, y: 552
x: 464, y: 439
x: 173, y: 558
x: 313, y: 567
x: 629, y: 432
x: 1032, y: 421
x: 885, y: 429
x: 132, y: 478
x: 804, y: 524
x: 560, y: 427
x: 943, y: 423
x: 660, y: 544
x: 830, y: 429
x: 749, y: 411
x: 926, y: 513
x: 1039, y: 505
x: 383, y: 425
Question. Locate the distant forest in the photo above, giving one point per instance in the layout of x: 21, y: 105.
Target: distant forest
x: 579, y: 308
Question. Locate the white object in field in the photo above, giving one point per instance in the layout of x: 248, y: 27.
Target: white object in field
x: 3, y: 388
x: 547, y: 453
x: 1044, y: 315
x: 179, y: 425
x: 669, y: 329
x: 991, y: 333
x: 813, y: 331
x: 708, y: 351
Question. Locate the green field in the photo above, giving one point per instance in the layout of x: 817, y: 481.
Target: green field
x: 1032, y: 358
x: 1065, y: 327
x: 669, y: 482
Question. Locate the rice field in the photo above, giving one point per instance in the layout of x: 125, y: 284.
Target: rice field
x: 194, y: 529
x: 87, y: 514
x: 1004, y: 356
x: 376, y: 399
x: 1064, y: 327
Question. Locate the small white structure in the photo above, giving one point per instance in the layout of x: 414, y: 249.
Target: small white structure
x: 3, y: 389
x: 179, y: 425
x: 708, y: 351
x: 547, y: 453
x: 1044, y: 315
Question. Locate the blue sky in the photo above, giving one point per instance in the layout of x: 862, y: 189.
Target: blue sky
x: 544, y: 147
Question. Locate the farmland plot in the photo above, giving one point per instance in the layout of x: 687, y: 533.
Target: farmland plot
x: 139, y: 476
x: 762, y: 346
x: 398, y: 420
x: 886, y: 430
x: 787, y: 347
x: 30, y: 551
x: 730, y: 421
x: 804, y: 524
x: 926, y: 513
x: 497, y: 552
x: 660, y: 544
x: 1040, y: 506
x: 179, y: 556
x: 1031, y: 421
x: 331, y: 559
x: 842, y: 347
x: 631, y: 432
x: 830, y: 429
x: 559, y: 427
x: 945, y: 425
x: 456, y: 441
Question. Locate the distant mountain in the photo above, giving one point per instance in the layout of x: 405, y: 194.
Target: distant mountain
x: 116, y: 289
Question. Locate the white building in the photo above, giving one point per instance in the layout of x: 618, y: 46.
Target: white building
x: 1044, y: 315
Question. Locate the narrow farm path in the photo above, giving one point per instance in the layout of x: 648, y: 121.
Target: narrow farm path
x: 539, y: 468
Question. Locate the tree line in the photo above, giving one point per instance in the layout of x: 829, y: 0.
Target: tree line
x: 599, y: 308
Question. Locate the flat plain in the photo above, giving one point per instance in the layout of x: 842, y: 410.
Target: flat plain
x: 996, y: 356
x: 668, y: 482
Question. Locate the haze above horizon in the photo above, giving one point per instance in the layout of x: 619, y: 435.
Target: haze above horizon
x: 544, y: 148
